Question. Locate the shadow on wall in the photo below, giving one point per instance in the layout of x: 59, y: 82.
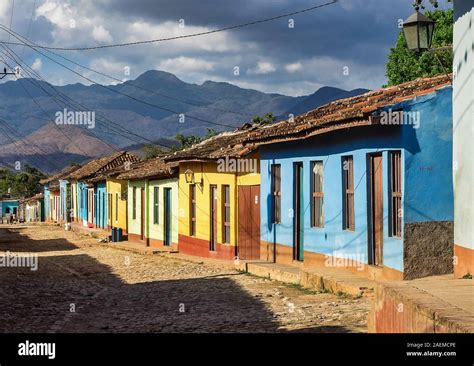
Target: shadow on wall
x: 40, y: 301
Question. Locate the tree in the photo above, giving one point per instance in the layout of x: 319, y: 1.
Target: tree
x: 152, y: 151
x: 21, y: 184
x: 405, y: 65
x: 190, y: 140
x: 266, y: 119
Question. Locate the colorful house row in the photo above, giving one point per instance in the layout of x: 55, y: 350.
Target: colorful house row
x: 363, y: 183
x: 92, y: 194
x: 53, y: 186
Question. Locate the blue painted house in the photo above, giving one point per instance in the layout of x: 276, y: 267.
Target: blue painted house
x: 8, y: 206
x: 56, y: 190
x: 89, y: 193
x: 363, y: 183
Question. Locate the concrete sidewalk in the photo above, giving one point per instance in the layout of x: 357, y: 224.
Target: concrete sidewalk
x: 320, y: 279
x: 437, y: 304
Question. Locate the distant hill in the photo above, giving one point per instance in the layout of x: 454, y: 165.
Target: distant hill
x: 225, y: 105
x: 51, y: 147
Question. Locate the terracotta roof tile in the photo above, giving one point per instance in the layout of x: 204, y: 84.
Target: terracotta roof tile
x: 153, y: 168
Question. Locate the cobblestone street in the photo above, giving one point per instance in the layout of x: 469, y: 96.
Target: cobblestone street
x: 81, y: 286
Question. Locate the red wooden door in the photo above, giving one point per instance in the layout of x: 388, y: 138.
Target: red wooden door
x: 249, y: 222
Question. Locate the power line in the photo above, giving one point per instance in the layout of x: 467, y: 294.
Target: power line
x: 29, y: 25
x: 35, y: 148
x: 108, y: 88
x: 198, y: 34
x: 26, y: 40
x: 11, y: 17
x: 74, y: 107
x: 44, y: 111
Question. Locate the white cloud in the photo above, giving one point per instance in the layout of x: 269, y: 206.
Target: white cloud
x: 101, y: 34
x: 185, y: 64
x: 218, y: 42
x: 294, y: 67
x: 37, y: 64
x: 262, y: 68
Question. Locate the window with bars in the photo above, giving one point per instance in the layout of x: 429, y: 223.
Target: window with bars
x: 156, y: 192
x: 317, y: 194
x: 396, y: 194
x: 192, y: 210
x: 348, y: 192
x: 276, y: 193
x: 134, y: 203
x: 226, y: 214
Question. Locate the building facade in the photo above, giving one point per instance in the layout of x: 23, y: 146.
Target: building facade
x: 370, y: 193
x: 219, y: 198
x: 463, y: 135
x: 153, y: 204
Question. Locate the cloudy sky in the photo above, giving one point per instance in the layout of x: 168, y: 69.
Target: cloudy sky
x: 344, y: 45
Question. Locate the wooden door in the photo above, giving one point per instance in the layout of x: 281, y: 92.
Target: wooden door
x: 298, y: 212
x: 167, y: 216
x: 213, y: 209
x: 142, y: 214
x: 249, y: 222
x: 90, y: 205
x: 376, y: 210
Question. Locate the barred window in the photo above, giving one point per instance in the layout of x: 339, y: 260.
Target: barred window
x: 317, y: 194
x: 348, y: 193
x: 276, y: 192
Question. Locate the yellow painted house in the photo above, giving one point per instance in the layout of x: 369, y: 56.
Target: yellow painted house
x: 219, y: 198
x: 153, y: 204
x: 117, y: 204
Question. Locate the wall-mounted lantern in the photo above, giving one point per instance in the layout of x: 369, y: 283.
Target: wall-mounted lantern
x: 418, y: 30
x: 189, y: 175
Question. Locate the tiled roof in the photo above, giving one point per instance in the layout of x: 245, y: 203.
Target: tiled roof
x: 103, y: 164
x: 344, y: 113
x: 339, y: 114
x: 33, y: 199
x: 153, y: 168
x: 63, y: 173
x: 224, y: 144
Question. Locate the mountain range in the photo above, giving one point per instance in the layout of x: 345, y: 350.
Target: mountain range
x: 152, y: 108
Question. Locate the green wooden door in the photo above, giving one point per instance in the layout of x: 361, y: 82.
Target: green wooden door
x: 167, y: 216
x: 298, y: 212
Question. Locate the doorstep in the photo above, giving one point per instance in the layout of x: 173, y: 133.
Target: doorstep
x: 92, y: 232
x: 318, y: 278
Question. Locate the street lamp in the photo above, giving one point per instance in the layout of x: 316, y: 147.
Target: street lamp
x: 189, y: 175
x: 418, y: 30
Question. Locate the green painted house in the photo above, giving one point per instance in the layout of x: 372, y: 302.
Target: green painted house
x: 152, y: 208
